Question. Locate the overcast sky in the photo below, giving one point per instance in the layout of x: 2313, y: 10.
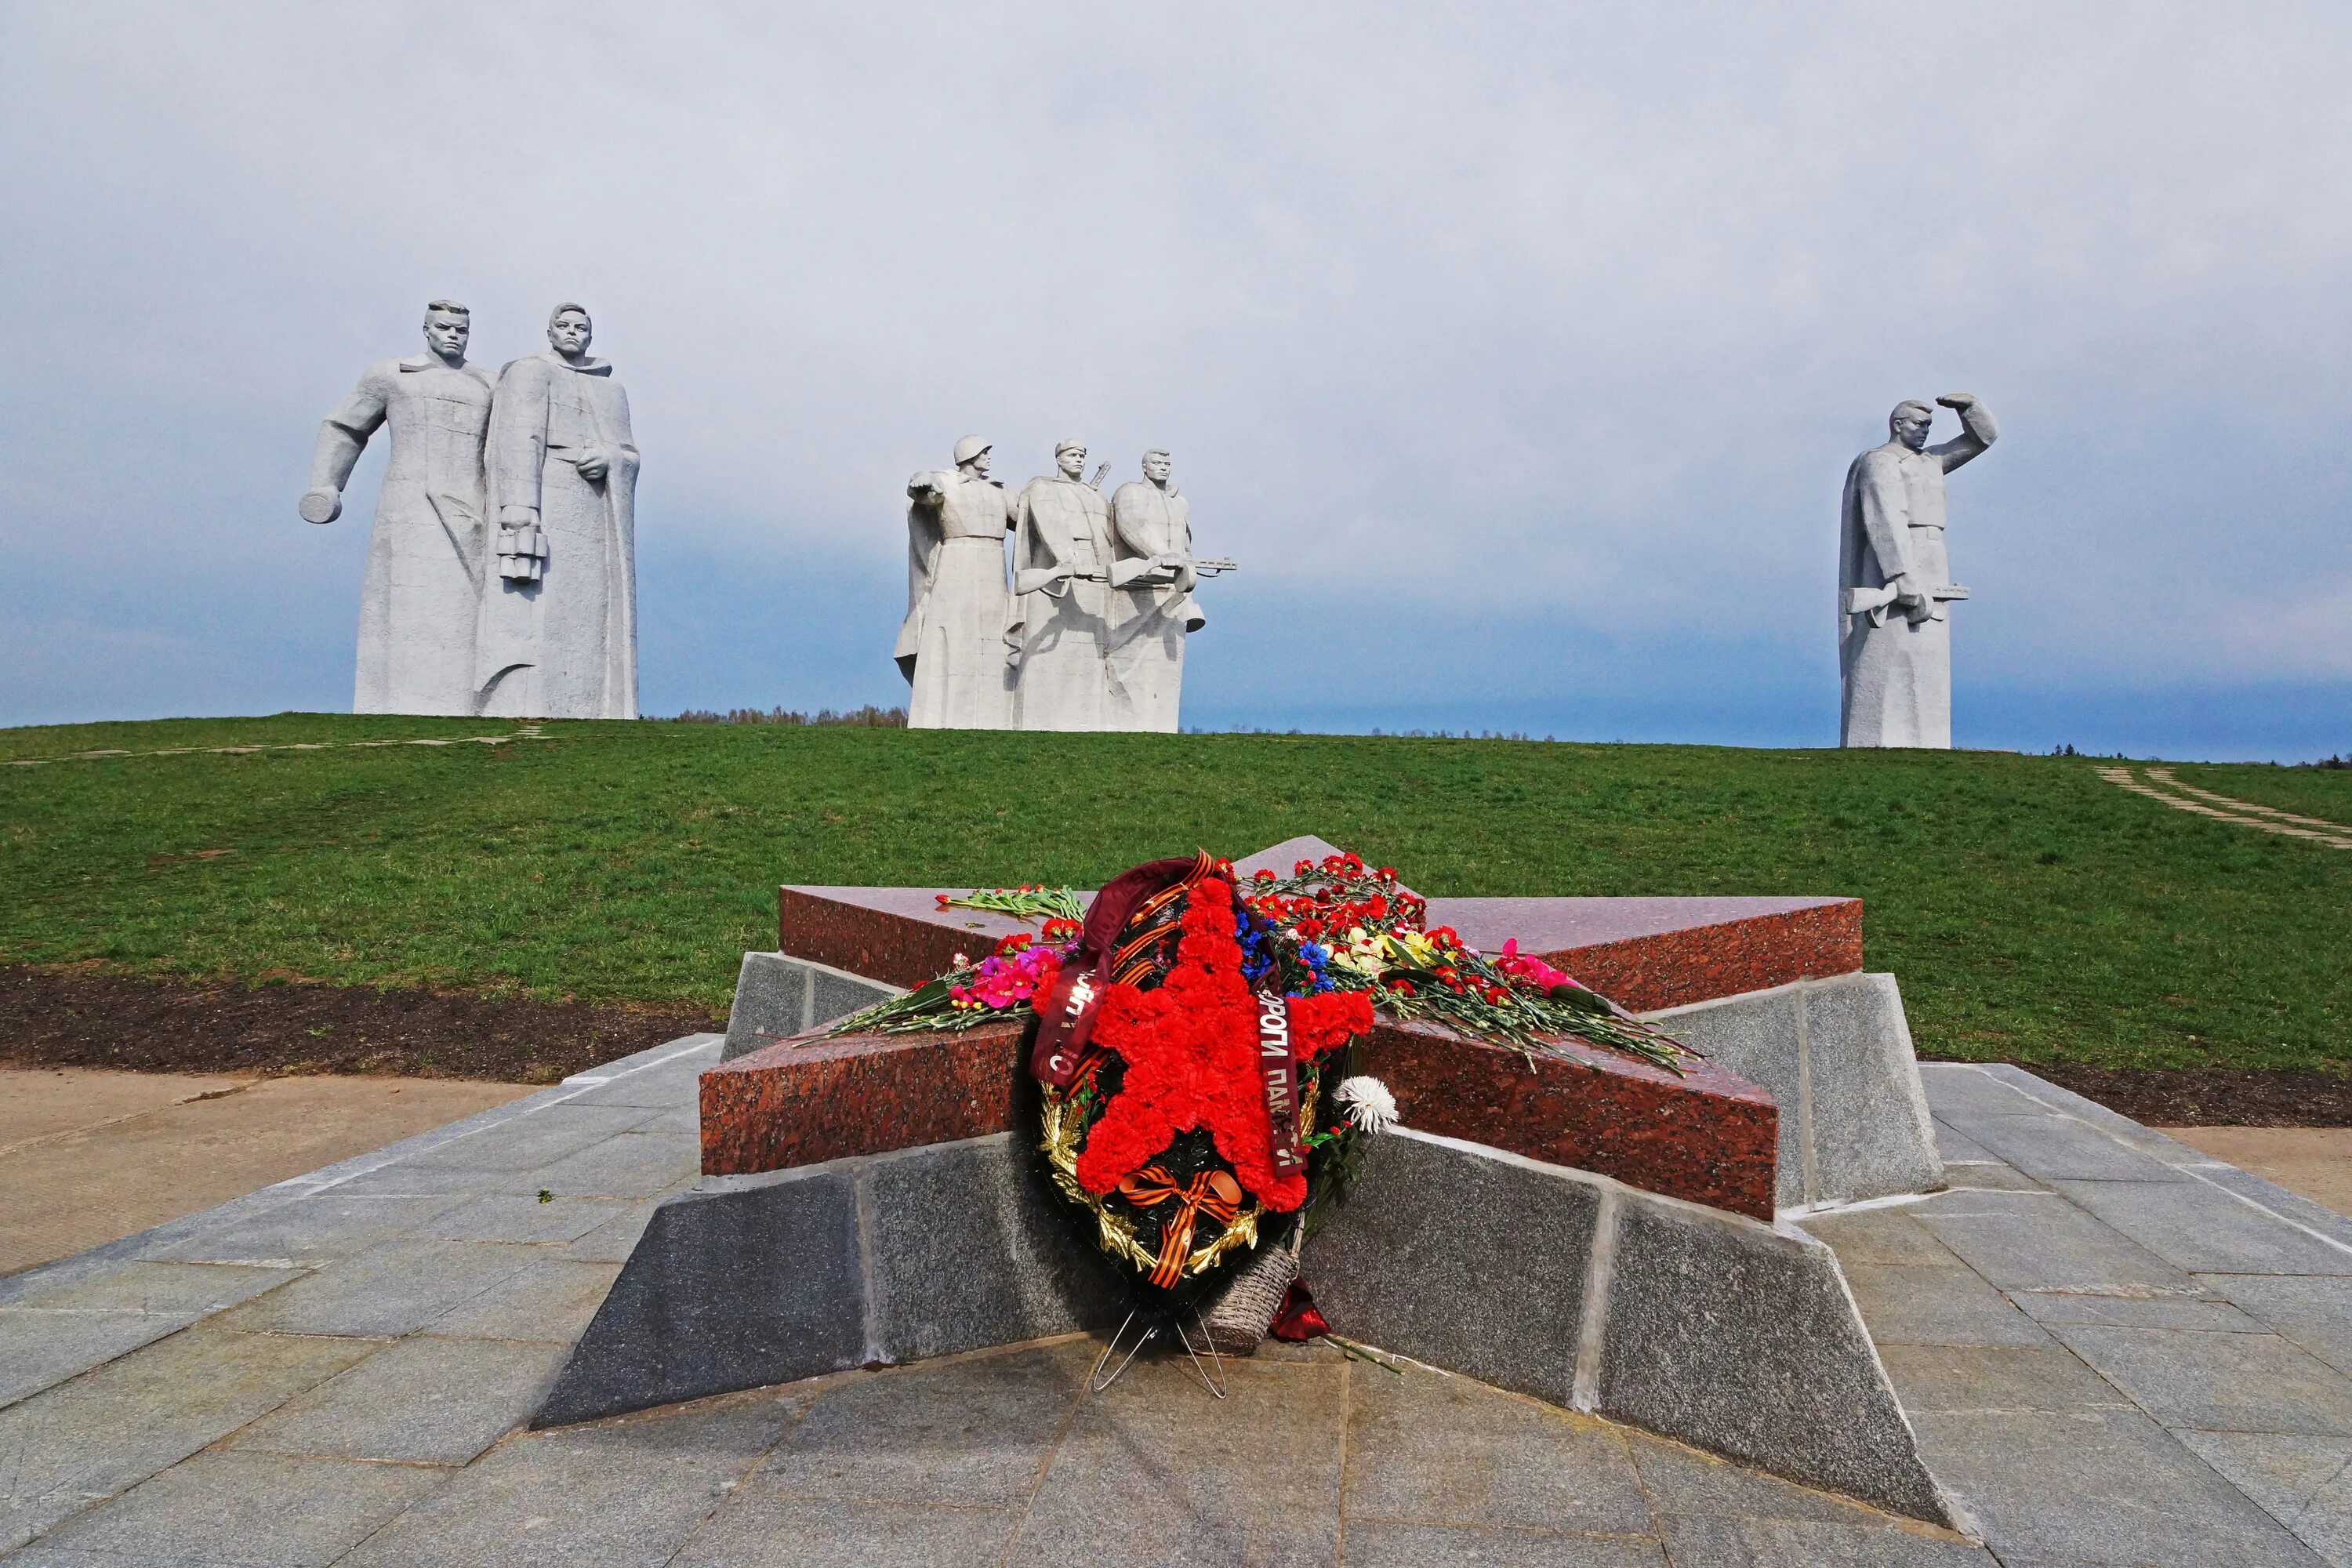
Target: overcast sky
x: 1517, y: 352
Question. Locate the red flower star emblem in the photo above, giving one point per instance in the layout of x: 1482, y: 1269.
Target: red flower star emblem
x: 1191, y: 1050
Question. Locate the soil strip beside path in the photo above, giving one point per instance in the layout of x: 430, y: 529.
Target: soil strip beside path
x: 74, y: 1018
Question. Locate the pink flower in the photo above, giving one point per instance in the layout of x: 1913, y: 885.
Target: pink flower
x: 1528, y: 970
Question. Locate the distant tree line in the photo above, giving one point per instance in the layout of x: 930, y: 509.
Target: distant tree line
x: 866, y: 718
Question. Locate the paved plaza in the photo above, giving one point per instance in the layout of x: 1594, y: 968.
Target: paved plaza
x: 2116, y: 1350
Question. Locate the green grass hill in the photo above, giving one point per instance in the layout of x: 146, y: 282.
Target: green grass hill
x: 2034, y: 911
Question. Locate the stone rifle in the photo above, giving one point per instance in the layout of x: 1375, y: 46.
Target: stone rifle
x: 1200, y: 568
x: 1876, y: 602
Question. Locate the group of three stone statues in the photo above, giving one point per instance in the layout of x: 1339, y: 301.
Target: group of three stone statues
x: 1090, y: 632
x: 501, y: 576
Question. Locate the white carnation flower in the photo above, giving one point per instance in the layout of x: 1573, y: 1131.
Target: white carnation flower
x: 1368, y: 1103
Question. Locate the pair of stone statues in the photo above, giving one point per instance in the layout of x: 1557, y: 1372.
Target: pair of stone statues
x: 1895, y: 581
x: 501, y: 575
x: 1090, y: 632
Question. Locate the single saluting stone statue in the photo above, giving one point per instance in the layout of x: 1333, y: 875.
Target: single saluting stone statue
x: 425, y: 563
x: 1152, y: 609
x: 1895, y: 585
x: 559, y: 618
x: 952, y: 646
x: 1061, y: 571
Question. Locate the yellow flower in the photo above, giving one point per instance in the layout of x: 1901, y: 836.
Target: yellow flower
x: 1416, y: 949
x: 1359, y: 949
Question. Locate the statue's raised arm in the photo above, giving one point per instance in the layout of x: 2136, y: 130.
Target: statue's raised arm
x: 1977, y: 430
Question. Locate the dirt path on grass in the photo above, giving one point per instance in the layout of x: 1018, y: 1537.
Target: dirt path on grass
x: 104, y: 753
x: 2224, y: 808
x: 74, y: 1018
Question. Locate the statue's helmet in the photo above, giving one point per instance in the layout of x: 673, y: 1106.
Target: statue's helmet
x: 1062, y: 447
x: 971, y: 446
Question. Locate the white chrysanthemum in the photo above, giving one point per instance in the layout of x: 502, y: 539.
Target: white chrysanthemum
x: 1368, y: 1103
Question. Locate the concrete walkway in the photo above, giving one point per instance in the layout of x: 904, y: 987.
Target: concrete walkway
x: 87, y: 1156
x: 2116, y: 1351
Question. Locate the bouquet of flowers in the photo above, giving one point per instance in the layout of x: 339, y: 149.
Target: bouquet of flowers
x: 1333, y: 925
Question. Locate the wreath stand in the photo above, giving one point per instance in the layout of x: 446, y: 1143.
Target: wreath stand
x: 1156, y: 1321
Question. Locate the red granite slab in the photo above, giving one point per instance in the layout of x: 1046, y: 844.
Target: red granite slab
x: 800, y: 1103
x: 1706, y: 1136
x: 1645, y: 954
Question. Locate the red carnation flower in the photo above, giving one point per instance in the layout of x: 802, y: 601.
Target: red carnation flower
x: 1190, y: 1054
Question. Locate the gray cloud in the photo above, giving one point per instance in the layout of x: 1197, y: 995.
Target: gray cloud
x: 1519, y: 353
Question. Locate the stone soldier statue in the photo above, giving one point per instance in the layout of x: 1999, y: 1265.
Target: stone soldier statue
x: 1061, y: 571
x: 558, y: 627
x: 1152, y: 609
x: 952, y: 646
x: 425, y: 564
x: 1894, y: 585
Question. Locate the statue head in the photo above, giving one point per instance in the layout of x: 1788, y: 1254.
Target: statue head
x: 1070, y: 456
x: 568, y: 330
x: 973, y: 456
x: 1155, y: 465
x: 1909, y: 423
x: 447, y: 325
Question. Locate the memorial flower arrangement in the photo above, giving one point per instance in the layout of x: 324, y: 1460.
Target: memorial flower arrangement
x: 1338, y: 925
x: 1330, y: 925
x: 1185, y: 1025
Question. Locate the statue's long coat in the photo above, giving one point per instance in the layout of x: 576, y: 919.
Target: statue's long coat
x: 1062, y: 628
x: 952, y: 646
x: 1897, y: 674
x: 565, y: 646
x: 1148, y: 623
x: 426, y: 553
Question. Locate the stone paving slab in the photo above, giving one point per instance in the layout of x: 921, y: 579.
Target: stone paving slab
x: 254, y: 1511
x: 2039, y: 1241
x: 112, y: 1429
x: 2047, y: 1377
x: 1450, y: 1454
x: 394, y: 1288
x: 2218, y: 1382
x: 550, y: 1301
x: 2106, y: 1486
x: 2316, y: 1313
x: 1138, y: 1479
x: 421, y: 1400
x: 2194, y: 1224
x: 2304, y: 1483
x: 626, y: 1492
